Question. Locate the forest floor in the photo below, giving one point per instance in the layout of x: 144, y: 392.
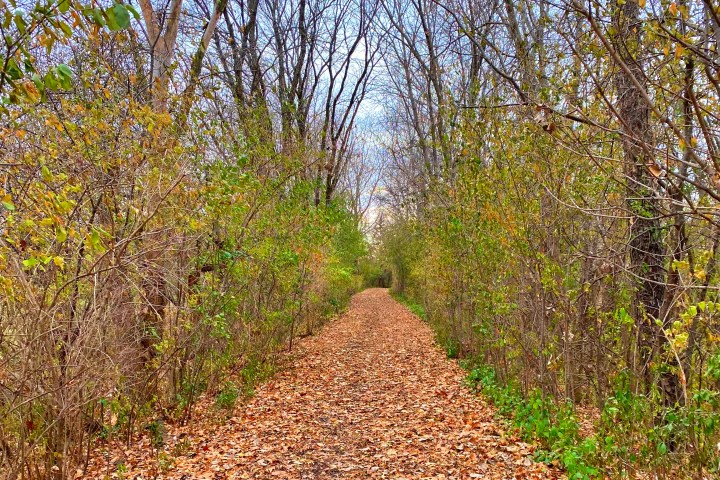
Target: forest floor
x: 370, y: 396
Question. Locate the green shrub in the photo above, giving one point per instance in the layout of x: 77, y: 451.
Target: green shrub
x: 538, y: 418
x: 227, y: 396
x: 411, y: 305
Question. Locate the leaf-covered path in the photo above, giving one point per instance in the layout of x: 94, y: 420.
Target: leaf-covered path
x: 371, y: 396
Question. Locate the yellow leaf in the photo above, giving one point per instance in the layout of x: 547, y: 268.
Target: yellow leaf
x: 673, y: 8
x: 684, y: 11
x: 59, y: 261
x: 641, y: 3
x: 678, y: 51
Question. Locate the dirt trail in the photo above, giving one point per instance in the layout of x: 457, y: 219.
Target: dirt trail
x: 371, y: 396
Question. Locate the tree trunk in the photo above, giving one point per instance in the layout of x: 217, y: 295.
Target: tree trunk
x: 646, y: 245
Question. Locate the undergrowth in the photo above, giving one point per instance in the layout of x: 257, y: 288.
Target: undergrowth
x: 538, y: 418
x: 534, y: 417
x: 411, y: 305
x: 631, y: 435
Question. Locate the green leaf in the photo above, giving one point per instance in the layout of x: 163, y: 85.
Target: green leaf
x: 38, y: 81
x: 94, y: 241
x: 118, y: 17
x: 30, y: 262
x: 20, y: 23
x: 66, y: 29
x: 65, y: 83
x: 13, y: 71
x: 51, y: 81
x: 64, y: 70
x: 7, y: 19
x: 64, y: 6
x: 97, y: 16
x: 61, y: 234
x: 134, y: 11
x: 65, y: 76
x: 8, y: 205
x: 46, y: 174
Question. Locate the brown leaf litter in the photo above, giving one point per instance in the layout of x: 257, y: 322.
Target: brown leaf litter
x: 371, y: 396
